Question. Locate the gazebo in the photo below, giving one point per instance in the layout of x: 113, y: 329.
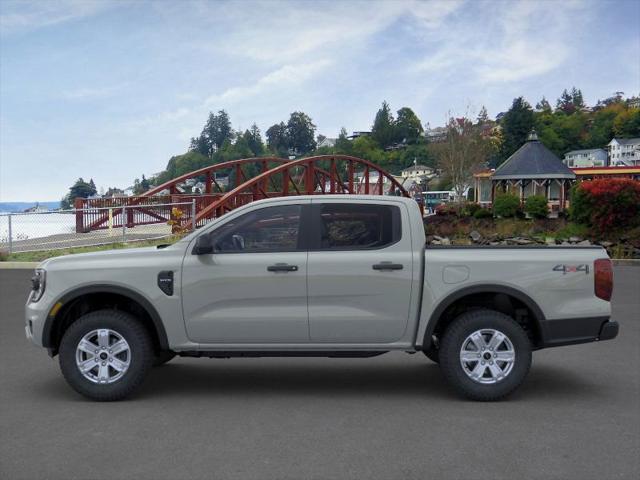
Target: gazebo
x: 532, y: 170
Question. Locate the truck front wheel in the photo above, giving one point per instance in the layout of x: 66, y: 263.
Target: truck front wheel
x: 485, y: 355
x: 105, y: 355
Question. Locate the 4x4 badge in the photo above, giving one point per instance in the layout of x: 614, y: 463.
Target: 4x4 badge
x: 572, y: 269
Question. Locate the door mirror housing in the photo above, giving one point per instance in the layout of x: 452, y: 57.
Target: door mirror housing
x: 203, y: 245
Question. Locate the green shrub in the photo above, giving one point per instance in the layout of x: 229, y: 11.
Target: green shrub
x: 483, y: 213
x: 506, y: 205
x: 536, y: 206
x: 468, y: 209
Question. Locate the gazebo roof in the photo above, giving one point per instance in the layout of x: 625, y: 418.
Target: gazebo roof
x: 533, y: 160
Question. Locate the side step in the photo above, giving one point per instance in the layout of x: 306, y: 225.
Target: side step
x: 283, y: 353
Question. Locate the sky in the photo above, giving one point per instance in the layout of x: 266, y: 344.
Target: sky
x: 110, y: 90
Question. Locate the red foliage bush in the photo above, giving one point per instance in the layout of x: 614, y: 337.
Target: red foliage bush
x: 607, y: 204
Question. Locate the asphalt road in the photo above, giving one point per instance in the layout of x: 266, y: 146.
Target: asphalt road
x: 576, y: 417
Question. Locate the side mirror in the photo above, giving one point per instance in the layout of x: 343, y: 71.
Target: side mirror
x: 203, y: 245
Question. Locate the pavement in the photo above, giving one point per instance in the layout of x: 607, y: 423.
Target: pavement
x: 576, y: 417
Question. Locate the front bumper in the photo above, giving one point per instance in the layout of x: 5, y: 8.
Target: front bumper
x: 572, y: 331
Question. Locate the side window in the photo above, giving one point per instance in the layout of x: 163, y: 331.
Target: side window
x: 348, y: 226
x: 270, y: 229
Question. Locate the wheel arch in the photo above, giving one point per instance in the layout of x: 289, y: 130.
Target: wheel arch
x: 59, y: 319
x: 493, y: 294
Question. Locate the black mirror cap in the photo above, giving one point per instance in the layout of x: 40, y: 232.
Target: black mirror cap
x: 203, y: 245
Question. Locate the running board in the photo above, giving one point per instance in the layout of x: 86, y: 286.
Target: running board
x: 283, y: 353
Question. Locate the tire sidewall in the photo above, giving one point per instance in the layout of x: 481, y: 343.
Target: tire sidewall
x: 126, y: 326
x: 457, y: 333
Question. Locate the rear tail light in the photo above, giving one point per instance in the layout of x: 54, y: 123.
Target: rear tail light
x: 603, y: 278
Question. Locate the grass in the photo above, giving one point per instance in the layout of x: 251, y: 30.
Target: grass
x: 44, y: 254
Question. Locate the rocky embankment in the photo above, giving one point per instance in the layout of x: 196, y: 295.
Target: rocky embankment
x: 616, y: 250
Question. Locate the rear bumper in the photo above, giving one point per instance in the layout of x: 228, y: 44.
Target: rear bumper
x: 571, y: 331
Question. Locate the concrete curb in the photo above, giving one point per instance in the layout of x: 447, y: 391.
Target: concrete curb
x: 18, y: 265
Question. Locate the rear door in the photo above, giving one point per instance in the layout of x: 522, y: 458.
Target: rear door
x: 252, y: 288
x: 359, y: 272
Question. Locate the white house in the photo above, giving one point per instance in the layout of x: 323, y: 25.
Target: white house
x: 594, y: 157
x: 418, y: 172
x: 624, y: 152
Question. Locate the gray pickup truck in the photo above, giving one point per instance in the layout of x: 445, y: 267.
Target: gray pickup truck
x: 332, y: 276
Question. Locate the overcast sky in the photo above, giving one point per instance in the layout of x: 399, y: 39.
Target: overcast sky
x: 111, y: 90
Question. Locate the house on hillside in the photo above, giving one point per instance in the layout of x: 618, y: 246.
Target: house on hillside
x: 593, y: 157
x: 327, y: 142
x: 532, y: 170
x: 624, y: 152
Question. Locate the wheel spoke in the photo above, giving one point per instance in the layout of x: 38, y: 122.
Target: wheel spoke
x: 478, y: 370
x: 119, y: 365
x: 119, y: 347
x: 478, y: 340
x: 467, y: 356
x: 496, y: 340
x: 87, y: 347
x: 103, y: 372
x: 496, y: 371
x: 508, y: 356
x: 87, y: 365
x: 103, y: 338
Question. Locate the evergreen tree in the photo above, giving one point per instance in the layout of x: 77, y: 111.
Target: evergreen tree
x: 253, y: 138
x: 565, y: 103
x: 576, y: 99
x: 517, y: 123
x: 216, y: 131
x: 543, y: 106
x: 343, y: 144
x: 382, y: 130
x: 483, y: 116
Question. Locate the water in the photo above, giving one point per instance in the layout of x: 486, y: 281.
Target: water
x: 28, y: 226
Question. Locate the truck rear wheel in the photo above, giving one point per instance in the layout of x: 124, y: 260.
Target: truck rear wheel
x: 105, y: 355
x: 485, y: 355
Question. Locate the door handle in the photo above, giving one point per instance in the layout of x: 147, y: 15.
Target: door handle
x: 388, y: 266
x: 282, y: 267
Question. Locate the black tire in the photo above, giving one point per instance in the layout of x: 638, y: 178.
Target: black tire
x: 452, y: 342
x: 432, y: 353
x: 163, y: 357
x: 140, y: 346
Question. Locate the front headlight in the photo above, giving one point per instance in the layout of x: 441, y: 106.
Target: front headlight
x: 38, y: 284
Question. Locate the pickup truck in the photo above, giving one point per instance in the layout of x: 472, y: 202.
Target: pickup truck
x: 331, y: 276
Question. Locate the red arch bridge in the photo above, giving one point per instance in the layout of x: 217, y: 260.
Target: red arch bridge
x: 246, y: 180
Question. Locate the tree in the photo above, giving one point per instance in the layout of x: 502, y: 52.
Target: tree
x: 543, y: 106
x: 343, y: 144
x: 516, y: 126
x: 277, y: 139
x: 463, y: 151
x: 301, y: 133
x: 80, y: 189
x: 565, y: 102
x: 382, y: 130
x: 253, y: 138
x: 216, y: 131
x: 483, y: 116
x: 627, y: 124
x: 576, y: 99
x: 408, y: 126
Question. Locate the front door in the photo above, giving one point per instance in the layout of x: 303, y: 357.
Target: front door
x: 252, y: 288
x: 359, y: 273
